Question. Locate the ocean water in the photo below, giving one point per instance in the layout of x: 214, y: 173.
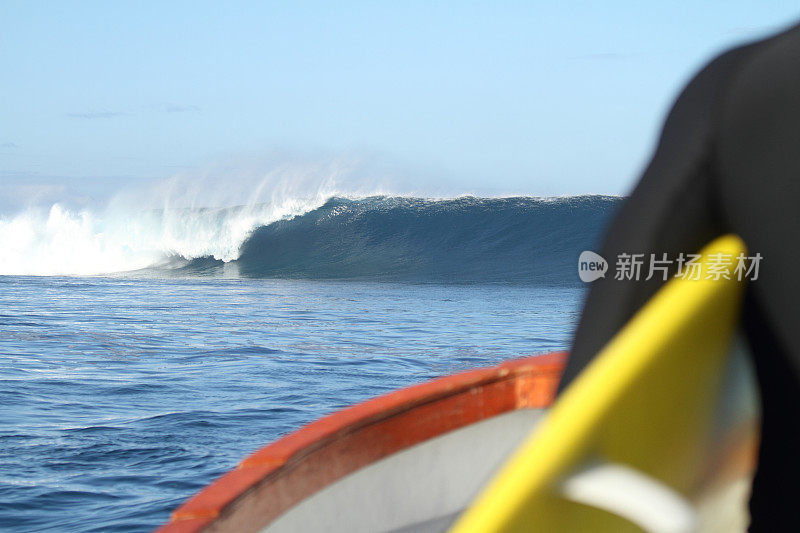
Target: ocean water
x: 144, y: 353
x: 120, y: 398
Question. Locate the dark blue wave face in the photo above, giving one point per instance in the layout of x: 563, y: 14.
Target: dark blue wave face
x: 464, y: 240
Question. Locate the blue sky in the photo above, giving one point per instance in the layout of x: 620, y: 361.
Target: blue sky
x: 493, y: 98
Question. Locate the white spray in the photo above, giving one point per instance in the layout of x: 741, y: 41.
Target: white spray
x: 187, y: 216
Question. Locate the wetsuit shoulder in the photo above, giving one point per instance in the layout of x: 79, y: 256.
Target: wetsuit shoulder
x: 674, y: 208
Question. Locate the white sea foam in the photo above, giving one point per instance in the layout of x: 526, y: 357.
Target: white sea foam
x: 139, y: 229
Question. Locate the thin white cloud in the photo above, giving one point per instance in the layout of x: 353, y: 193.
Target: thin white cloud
x: 603, y: 56
x: 170, y: 108
x: 91, y: 115
x: 178, y: 108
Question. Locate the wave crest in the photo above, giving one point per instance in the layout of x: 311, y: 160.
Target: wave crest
x: 465, y: 239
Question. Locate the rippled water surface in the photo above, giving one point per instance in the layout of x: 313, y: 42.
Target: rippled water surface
x: 121, y: 397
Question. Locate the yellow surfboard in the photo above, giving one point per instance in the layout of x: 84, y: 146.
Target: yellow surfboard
x: 625, y: 448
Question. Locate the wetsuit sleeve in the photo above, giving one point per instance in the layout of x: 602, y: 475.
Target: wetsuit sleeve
x: 672, y: 209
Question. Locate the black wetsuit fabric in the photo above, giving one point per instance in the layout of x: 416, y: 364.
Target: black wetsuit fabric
x: 728, y: 160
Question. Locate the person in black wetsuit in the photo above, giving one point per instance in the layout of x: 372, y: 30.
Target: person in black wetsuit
x: 728, y: 161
